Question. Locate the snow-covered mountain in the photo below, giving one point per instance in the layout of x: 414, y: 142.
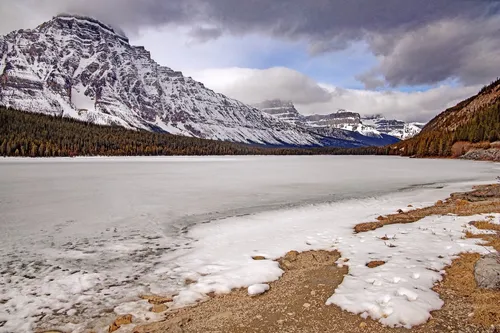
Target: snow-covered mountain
x: 341, y: 124
x: 79, y: 67
x: 397, y: 128
x: 372, y: 126
x: 346, y: 120
x: 284, y: 110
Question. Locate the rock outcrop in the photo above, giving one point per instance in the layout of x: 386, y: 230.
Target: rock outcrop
x: 487, y: 272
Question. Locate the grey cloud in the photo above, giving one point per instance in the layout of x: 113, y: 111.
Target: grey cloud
x: 253, y: 86
x: 371, y: 79
x: 281, y: 83
x: 256, y: 85
x: 406, y: 35
x: 128, y: 14
x: 466, y: 50
x: 202, y: 34
x: 319, y: 19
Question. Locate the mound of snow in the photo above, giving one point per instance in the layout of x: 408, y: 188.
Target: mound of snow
x: 257, y: 289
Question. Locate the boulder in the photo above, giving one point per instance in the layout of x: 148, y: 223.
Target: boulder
x: 487, y: 272
x: 121, y: 320
x: 291, y: 256
x: 375, y: 263
x: 155, y: 299
x: 157, y: 308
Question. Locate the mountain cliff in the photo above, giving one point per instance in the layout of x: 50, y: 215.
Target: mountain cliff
x: 284, y: 110
x: 371, y: 126
x: 397, y: 128
x: 342, y: 124
x: 78, y: 67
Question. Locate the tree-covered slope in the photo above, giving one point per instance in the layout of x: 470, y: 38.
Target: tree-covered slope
x: 474, y: 120
x: 37, y: 135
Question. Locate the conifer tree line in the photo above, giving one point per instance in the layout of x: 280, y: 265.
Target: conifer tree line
x: 484, y: 126
x: 36, y: 135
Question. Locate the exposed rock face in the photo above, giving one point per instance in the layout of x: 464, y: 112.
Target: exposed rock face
x: 398, y: 128
x: 492, y: 154
x: 487, y: 272
x: 342, y: 124
x: 341, y: 117
x: 79, y: 67
x: 284, y: 110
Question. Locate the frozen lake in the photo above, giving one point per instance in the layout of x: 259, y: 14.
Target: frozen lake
x: 92, y: 194
x: 75, y: 231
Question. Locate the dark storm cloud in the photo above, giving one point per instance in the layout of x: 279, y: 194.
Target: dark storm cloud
x: 320, y: 19
x: 462, y: 49
x: 418, y: 41
x: 202, y: 34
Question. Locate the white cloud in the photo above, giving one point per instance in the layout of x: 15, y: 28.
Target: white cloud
x: 409, y: 106
x: 255, y: 85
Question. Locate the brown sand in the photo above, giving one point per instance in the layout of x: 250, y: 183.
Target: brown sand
x: 482, y: 200
x: 296, y: 302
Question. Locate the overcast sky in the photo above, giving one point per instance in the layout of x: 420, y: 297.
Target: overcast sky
x: 407, y: 59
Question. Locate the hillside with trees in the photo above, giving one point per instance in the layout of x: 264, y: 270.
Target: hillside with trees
x: 471, y: 124
x: 471, y: 128
x: 37, y: 135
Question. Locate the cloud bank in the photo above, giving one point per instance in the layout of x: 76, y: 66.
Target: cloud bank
x: 418, y: 41
x: 310, y: 97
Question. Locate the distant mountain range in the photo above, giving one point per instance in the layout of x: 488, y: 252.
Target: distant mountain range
x: 370, y: 126
x: 78, y: 67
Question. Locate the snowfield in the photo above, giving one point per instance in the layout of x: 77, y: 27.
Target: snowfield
x: 83, y: 235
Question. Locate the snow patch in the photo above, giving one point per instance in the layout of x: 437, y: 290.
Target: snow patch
x: 397, y: 293
x: 257, y: 289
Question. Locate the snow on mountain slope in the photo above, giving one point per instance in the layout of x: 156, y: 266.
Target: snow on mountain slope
x: 78, y: 67
x: 341, y: 124
x: 408, y: 131
x: 396, y: 128
x: 284, y: 110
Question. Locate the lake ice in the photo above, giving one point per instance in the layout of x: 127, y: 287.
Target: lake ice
x: 79, y: 236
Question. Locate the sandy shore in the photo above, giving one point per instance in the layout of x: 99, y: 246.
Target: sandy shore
x: 296, y: 302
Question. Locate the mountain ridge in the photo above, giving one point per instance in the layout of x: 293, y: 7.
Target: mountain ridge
x: 76, y: 66
x: 79, y: 67
x: 369, y: 126
x: 471, y: 125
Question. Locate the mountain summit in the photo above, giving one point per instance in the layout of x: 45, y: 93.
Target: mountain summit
x: 371, y: 126
x: 78, y: 67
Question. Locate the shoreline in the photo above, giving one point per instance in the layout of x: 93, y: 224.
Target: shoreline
x: 238, y: 299
x: 131, y: 256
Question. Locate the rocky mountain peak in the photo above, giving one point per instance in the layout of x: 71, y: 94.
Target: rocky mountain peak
x: 284, y: 110
x: 371, y: 125
x: 79, y: 67
x: 70, y: 21
x: 340, y: 117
